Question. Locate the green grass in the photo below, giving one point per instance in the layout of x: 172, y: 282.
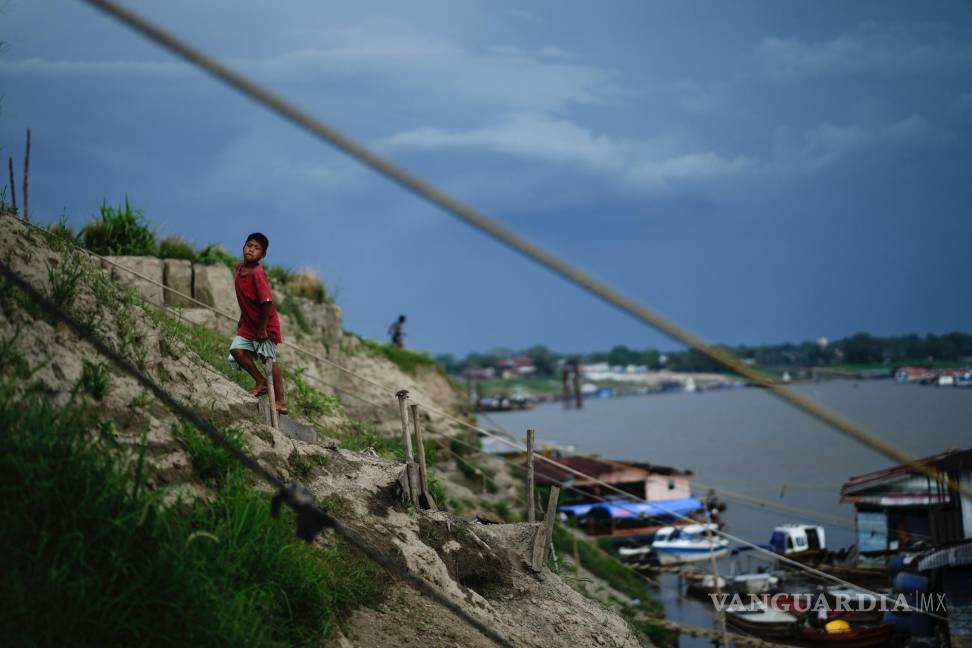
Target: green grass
x: 360, y: 435
x: 210, y: 462
x: 173, y: 247
x: 215, y: 255
x: 474, y: 473
x: 407, y: 361
x: 95, y: 379
x: 90, y: 557
x: 121, y: 230
x: 308, y: 401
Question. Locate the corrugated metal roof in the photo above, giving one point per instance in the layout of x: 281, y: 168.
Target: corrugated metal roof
x: 959, y: 555
x: 547, y: 473
x: 876, y: 478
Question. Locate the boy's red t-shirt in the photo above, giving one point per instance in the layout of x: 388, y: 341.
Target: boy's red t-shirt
x: 252, y: 291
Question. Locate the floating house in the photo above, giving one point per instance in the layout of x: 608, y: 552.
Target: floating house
x: 900, y: 509
x: 666, y: 489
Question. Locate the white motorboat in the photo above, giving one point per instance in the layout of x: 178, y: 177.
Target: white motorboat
x: 754, y: 583
x: 690, y: 543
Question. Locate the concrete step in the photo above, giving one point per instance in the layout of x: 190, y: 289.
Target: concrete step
x: 288, y: 426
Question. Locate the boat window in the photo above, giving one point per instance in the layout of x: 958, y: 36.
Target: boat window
x: 789, y: 542
x: 671, y: 484
x: 801, y: 541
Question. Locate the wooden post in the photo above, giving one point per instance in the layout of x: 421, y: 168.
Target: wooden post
x: 531, y: 490
x: 720, y: 616
x: 13, y: 190
x: 565, y: 378
x: 578, y: 394
x: 274, y: 421
x: 544, y: 535
x: 410, y: 470
x: 26, y: 175
x: 425, y: 499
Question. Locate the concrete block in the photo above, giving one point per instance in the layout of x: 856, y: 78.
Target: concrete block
x: 178, y: 276
x: 150, y: 267
x: 213, y: 285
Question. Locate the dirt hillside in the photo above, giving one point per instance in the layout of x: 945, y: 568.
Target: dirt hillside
x: 481, y: 567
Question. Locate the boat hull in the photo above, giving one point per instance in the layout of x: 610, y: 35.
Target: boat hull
x: 680, y: 556
x: 767, y: 626
x: 863, y: 637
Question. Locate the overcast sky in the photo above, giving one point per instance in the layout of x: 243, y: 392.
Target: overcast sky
x: 758, y: 172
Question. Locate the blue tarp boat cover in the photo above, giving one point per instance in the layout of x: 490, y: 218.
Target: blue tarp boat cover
x: 627, y: 510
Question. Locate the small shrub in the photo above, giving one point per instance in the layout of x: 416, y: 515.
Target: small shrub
x: 307, y: 284
x: 62, y: 232
x: 309, y: 402
x: 438, y: 493
x: 216, y: 254
x: 503, y: 510
x: 173, y: 247
x: 95, y: 379
x: 63, y: 276
x: 120, y: 230
x: 211, y: 462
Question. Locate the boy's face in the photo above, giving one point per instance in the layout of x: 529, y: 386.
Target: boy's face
x: 253, y: 251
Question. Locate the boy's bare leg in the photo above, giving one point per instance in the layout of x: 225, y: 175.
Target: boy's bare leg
x: 246, y: 362
x: 278, y: 389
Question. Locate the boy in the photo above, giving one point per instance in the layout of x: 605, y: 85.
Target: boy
x: 259, y: 327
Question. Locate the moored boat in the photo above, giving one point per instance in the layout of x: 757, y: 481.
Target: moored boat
x: 690, y: 543
x: 764, y: 621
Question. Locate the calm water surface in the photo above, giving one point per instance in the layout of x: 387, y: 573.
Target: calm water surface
x: 748, y: 442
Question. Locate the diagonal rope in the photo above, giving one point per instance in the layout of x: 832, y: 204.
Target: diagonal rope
x: 505, y: 236
x: 311, y: 519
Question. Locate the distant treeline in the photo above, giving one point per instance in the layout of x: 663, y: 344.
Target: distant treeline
x: 858, y: 349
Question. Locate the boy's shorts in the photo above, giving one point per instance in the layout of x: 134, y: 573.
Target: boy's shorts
x: 265, y: 349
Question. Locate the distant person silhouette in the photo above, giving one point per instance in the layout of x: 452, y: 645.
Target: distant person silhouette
x: 396, y: 333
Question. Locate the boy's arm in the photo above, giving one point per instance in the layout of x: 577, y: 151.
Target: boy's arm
x: 261, y: 331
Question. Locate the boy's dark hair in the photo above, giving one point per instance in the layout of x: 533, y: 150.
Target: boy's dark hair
x: 259, y: 238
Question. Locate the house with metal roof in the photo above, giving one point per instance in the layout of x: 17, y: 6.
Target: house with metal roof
x: 899, y: 508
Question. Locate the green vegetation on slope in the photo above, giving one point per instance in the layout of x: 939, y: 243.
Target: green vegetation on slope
x: 407, y: 361
x: 90, y: 557
x: 621, y: 578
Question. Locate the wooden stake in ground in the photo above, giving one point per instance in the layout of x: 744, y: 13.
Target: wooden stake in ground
x: 531, y: 504
x: 425, y: 499
x: 411, y: 472
x: 13, y: 190
x: 26, y: 176
x: 272, y: 402
x: 544, y: 535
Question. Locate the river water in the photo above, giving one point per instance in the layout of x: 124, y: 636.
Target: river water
x: 747, y: 441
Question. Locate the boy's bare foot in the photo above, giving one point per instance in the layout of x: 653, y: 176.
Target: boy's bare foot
x: 282, y: 409
x: 259, y: 390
